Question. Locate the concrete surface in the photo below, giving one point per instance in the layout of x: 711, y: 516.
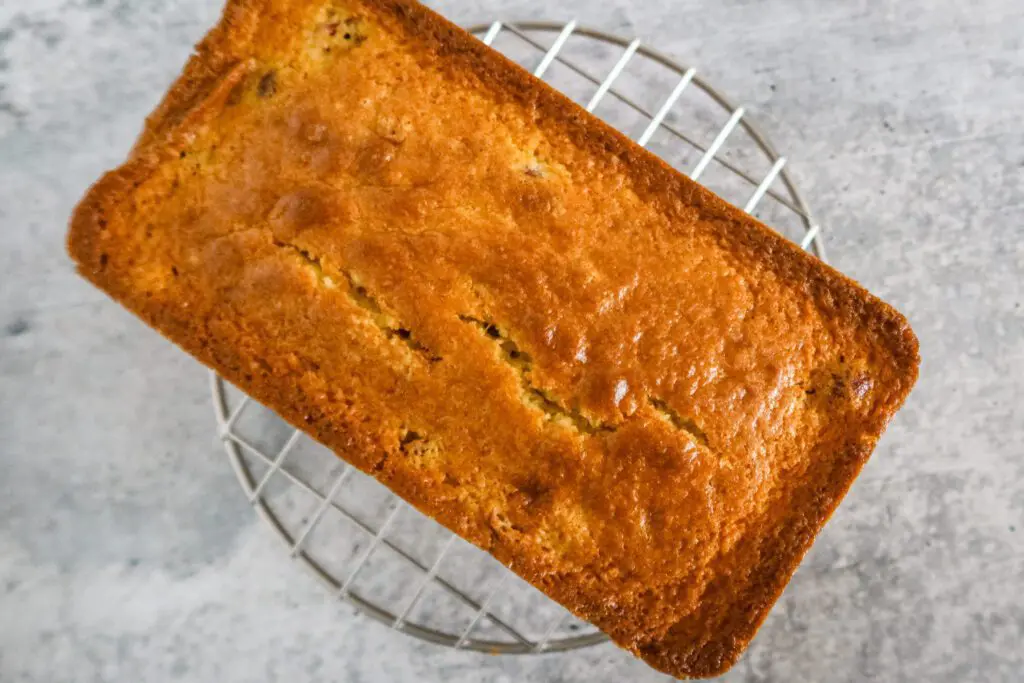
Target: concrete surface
x: 128, y: 553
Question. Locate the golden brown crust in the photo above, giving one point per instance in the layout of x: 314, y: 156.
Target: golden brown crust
x: 636, y: 396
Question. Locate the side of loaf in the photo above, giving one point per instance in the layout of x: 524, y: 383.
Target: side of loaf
x: 634, y: 395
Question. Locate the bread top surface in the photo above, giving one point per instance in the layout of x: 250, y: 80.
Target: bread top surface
x: 642, y: 400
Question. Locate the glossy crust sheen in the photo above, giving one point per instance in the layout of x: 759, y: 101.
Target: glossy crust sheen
x: 636, y: 396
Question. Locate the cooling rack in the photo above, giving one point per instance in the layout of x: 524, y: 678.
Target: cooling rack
x: 366, y: 545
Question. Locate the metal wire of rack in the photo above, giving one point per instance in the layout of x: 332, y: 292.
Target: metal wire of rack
x: 421, y: 579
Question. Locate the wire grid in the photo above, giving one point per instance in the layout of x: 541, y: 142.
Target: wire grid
x: 363, y: 542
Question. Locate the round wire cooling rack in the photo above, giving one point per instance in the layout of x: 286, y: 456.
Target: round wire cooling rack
x: 365, y: 544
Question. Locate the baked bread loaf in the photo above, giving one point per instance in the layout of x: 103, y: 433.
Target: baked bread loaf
x: 634, y: 395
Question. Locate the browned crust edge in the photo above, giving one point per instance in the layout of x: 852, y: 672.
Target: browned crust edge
x: 228, y: 44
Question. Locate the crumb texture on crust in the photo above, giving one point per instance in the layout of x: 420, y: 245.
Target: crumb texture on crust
x: 636, y: 396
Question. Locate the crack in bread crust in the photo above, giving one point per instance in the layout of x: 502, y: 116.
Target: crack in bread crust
x: 391, y: 328
x: 521, y: 363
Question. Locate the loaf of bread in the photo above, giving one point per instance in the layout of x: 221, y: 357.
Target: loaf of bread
x: 632, y: 394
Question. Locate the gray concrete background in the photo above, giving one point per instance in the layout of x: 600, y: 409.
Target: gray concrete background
x: 128, y: 553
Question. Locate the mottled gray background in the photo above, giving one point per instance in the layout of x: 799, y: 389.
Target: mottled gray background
x: 128, y: 553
